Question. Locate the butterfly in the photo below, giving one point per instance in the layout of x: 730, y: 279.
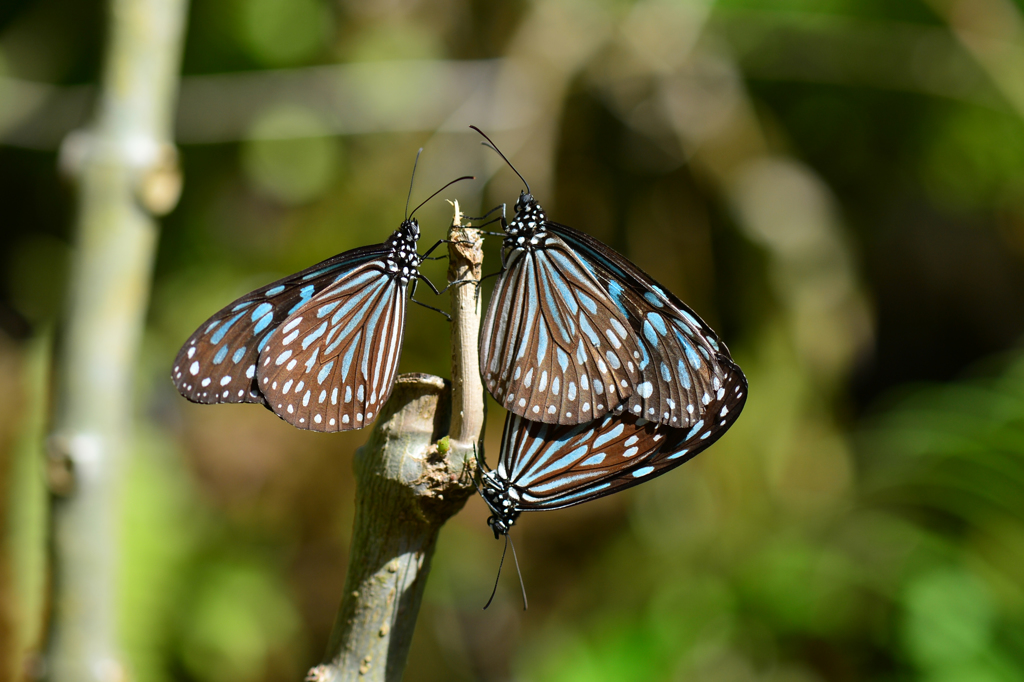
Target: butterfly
x: 551, y: 466
x: 574, y: 330
x: 319, y: 348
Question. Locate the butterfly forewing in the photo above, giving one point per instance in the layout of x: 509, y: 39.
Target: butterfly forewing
x: 680, y: 371
x: 554, y: 347
x: 332, y: 364
x: 217, y: 364
x: 549, y: 466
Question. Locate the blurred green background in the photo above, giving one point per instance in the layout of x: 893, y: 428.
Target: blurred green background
x: 836, y: 186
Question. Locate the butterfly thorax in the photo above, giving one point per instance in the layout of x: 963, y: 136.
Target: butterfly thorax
x: 502, y: 498
x: 526, y: 229
x: 403, y: 260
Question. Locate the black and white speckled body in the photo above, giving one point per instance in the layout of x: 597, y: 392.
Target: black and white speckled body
x: 526, y: 229
x: 503, y: 500
x: 403, y: 260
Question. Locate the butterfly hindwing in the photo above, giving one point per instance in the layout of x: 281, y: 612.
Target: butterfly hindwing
x: 333, y: 362
x: 554, y: 346
x: 551, y: 466
x: 217, y: 364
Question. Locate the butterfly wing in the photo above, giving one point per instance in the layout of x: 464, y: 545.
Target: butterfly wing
x: 333, y: 363
x: 217, y: 364
x: 680, y: 371
x: 551, y: 466
x: 554, y: 346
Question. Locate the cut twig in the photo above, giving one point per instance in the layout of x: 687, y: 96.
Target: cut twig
x: 409, y: 482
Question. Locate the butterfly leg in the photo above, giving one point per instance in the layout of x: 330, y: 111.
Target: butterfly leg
x: 412, y: 296
x: 426, y: 256
x: 496, y: 219
x: 481, y: 217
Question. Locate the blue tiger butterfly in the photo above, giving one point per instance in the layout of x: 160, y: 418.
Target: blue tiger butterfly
x: 574, y: 330
x: 320, y: 348
x: 550, y: 466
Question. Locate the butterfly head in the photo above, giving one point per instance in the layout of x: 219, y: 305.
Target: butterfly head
x: 408, y: 231
x: 501, y: 498
x: 526, y: 229
x: 403, y: 260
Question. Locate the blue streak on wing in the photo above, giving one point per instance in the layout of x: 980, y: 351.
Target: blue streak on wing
x: 324, y: 271
x: 263, y: 341
x: 358, y: 279
x: 653, y: 299
x: 261, y: 310
x: 305, y: 294
x: 659, y: 323
x: 222, y: 331
x: 587, y: 302
x: 609, y: 435
x: 555, y: 313
x: 325, y: 371
x: 652, y: 338
x: 691, y: 319
x: 563, y: 359
x: 572, y: 496
x: 552, y: 274
x: 313, y: 336
x: 542, y: 343
x: 370, y: 327
x: 565, y: 480
x: 263, y: 324
x: 615, y: 290
x: 325, y: 310
x: 355, y: 300
x: 560, y: 463
x: 526, y: 456
x: 356, y: 321
x: 566, y: 265
x: 346, y: 362
x: 589, y: 331
x: 684, y: 373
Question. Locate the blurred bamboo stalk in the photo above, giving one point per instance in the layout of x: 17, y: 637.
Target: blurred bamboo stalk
x: 126, y: 168
x: 992, y: 31
x: 408, y: 484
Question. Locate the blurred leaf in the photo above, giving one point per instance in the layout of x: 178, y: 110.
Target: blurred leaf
x: 949, y: 618
x: 240, y: 616
x: 283, y: 32
x: 290, y: 154
x: 974, y: 157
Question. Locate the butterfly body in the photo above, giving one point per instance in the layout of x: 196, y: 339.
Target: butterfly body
x: 320, y: 348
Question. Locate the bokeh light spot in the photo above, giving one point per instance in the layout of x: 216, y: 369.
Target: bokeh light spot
x: 290, y: 155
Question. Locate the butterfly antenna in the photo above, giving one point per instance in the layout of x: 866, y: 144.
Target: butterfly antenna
x: 409, y: 196
x: 518, y: 572
x: 493, y: 146
x: 497, y: 577
x: 464, y: 177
